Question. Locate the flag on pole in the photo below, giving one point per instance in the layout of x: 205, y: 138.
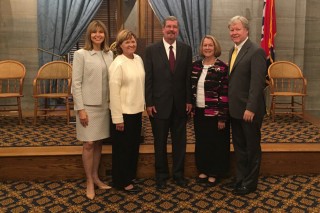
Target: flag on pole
x: 268, y: 30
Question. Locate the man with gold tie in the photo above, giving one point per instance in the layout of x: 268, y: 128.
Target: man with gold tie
x: 247, y: 107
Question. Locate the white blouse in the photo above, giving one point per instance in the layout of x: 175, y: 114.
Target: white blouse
x: 200, y: 88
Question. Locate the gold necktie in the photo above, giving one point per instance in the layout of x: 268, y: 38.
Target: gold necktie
x: 233, y: 57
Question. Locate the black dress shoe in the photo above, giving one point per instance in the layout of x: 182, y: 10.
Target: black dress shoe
x: 181, y: 182
x: 161, y: 184
x: 136, y: 181
x: 243, y: 190
x: 233, y: 185
x: 133, y: 190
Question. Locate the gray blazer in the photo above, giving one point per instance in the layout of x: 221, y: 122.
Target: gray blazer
x: 247, y: 81
x: 87, y: 77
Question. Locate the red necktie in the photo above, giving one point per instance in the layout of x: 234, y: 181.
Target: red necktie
x: 171, y: 58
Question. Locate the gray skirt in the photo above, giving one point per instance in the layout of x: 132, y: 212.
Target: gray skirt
x: 99, y: 124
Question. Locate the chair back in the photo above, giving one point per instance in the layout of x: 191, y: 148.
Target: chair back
x: 55, y: 70
x: 12, y: 74
x: 284, y: 69
x: 53, y: 77
x: 285, y: 76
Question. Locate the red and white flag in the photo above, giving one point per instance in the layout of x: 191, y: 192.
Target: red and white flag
x: 269, y: 30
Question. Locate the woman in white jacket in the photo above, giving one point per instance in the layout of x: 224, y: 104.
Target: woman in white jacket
x: 91, y: 100
x: 127, y: 104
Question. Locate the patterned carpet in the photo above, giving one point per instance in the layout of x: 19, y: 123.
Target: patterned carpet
x: 55, y: 132
x: 298, y: 193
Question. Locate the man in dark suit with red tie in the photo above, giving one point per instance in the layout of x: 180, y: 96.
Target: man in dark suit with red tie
x: 168, y: 99
x: 247, y: 107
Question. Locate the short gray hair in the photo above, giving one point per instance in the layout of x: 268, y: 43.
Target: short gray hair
x: 242, y: 19
x: 169, y: 18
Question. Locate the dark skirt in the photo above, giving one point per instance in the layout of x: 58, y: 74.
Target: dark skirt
x: 212, y: 150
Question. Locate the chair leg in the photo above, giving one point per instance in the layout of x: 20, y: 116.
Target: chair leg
x: 302, y: 103
x: 46, y: 100
x: 272, y: 107
x: 292, y: 105
x: 35, y: 111
x: 68, y: 110
x: 19, y: 110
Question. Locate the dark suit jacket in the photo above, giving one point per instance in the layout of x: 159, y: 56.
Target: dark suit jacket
x: 247, y: 81
x: 165, y: 89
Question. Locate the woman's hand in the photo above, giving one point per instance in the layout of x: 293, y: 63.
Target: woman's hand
x: 83, y: 116
x: 151, y: 110
x: 120, y: 127
x: 221, y: 125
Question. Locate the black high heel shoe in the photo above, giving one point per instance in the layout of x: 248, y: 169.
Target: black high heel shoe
x: 201, y: 179
x: 132, y: 190
x: 213, y: 183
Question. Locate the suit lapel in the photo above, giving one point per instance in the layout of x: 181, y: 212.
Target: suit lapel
x: 179, y: 52
x: 241, y: 54
x: 107, y: 59
x: 163, y: 54
x: 230, y: 55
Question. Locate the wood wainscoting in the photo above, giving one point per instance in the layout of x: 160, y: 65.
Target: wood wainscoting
x: 64, y: 162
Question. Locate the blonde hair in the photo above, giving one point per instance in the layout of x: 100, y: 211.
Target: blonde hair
x: 122, y: 36
x: 93, y: 27
x: 217, y: 47
x: 243, y: 20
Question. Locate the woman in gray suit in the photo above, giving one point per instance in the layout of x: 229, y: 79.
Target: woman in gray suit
x: 90, y: 95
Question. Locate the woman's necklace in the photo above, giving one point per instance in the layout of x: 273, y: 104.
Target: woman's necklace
x: 209, y: 61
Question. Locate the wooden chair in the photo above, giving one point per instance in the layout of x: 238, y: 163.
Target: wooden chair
x: 113, y: 49
x: 288, y: 89
x: 12, y: 75
x: 52, y: 89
